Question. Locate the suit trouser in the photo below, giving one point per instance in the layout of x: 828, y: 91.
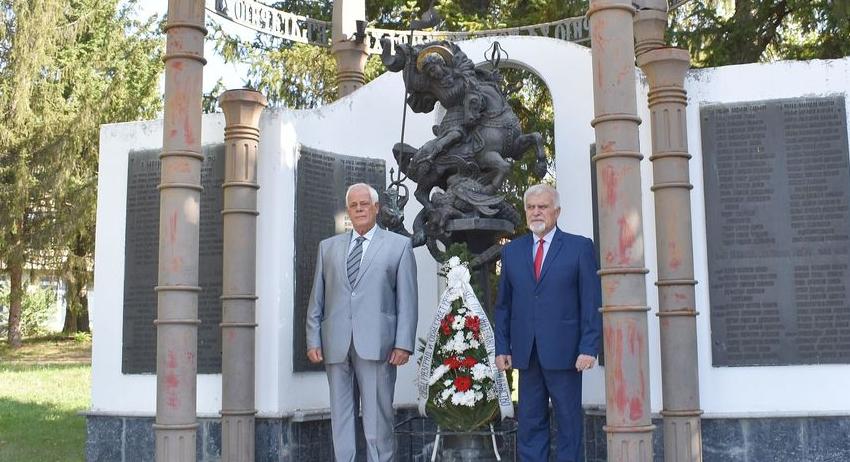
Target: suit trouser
x: 536, y: 387
x: 376, y: 383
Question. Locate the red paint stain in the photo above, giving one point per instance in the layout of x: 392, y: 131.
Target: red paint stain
x: 616, y: 357
x: 176, y: 264
x: 171, y: 380
x: 171, y: 363
x: 675, y: 256
x: 177, y: 65
x: 610, y: 287
x: 609, y: 146
x: 680, y: 297
x: 172, y: 402
x: 609, y: 257
x: 190, y: 357
x: 636, y: 408
x: 188, y: 135
x: 626, y: 241
x: 610, y: 181
x: 172, y: 228
x: 231, y: 336
x: 628, y: 396
x: 634, y: 340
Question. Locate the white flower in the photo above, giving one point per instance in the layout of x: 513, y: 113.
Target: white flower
x: 458, y: 276
x: 455, y: 344
x: 446, y: 394
x: 454, y: 261
x: 438, y: 373
x: 469, y: 335
x: 474, y: 343
x: 480, y: 372
x: 465, y: 398
x: 462, y: 311
x: 458, y: 323
x: 447, y: 382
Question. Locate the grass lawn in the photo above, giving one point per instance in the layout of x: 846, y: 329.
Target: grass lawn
x: 43, y: 387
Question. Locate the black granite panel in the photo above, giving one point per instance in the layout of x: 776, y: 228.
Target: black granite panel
x: 269, y: 442
x: 777, y: 194
x: 802, y: 439
x: 141, y: 259
x: 139, y: 438
x: 211, y: 446
x: 104, y: 438
x: 321, y: 181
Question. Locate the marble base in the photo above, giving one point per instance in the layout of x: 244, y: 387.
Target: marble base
x: 778, y: 439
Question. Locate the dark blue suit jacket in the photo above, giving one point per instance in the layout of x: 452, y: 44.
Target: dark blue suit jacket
x: 560, y: 312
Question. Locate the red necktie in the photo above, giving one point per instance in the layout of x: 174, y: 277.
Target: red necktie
x: 538, y: 259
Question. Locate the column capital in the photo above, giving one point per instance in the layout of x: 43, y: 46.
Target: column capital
x: 350, y: 59
x: 242, y: 106
x: 665, y: 67
x: 597, y: 6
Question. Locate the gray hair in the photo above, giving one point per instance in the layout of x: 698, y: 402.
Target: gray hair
x: 538, y: 189
x: 372, y: 193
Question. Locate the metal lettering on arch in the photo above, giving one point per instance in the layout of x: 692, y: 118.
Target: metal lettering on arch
x: 289, y: 26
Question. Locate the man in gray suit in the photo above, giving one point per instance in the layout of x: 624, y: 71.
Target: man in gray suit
x: 361, y: 322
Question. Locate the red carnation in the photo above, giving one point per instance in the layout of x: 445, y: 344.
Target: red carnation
x: 446, y: 324
x: 463, y: 383
x: 452, y: 362
x: 473, y: 323
x: 469, y: 361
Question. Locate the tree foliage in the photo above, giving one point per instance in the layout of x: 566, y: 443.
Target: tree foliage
x: 66, y: 67
x: 723, y: 32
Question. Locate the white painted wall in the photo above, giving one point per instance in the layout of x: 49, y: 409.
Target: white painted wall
x: 367, y: 123
x: 756, y: 391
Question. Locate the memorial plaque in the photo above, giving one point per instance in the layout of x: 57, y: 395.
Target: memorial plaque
x: 777, y: 190
x: 141, y: 256
x: 321, y: 180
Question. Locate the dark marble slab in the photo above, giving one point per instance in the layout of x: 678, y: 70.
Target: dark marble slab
x: 103, y: 438
x: 786, y: 439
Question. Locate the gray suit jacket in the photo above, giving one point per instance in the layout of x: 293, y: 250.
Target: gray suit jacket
x: 378, y: 312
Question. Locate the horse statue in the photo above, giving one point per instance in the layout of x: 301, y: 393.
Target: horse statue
x: 474, y: 145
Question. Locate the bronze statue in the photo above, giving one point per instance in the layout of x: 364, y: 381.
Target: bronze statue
x: 474, y: 147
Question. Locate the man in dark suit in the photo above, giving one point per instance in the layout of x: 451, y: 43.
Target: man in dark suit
x: 548, y: 326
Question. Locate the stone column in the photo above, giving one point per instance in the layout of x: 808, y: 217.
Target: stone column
x: 650, y: 23
x: 665, y: 69
x: 628, y: 421
x: 350, y: 56
x: 180, y: 189
x: 242, y: 109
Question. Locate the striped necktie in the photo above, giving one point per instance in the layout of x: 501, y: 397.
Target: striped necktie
x: 354, y: 259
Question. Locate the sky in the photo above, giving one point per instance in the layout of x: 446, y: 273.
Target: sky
x: 215, y: 68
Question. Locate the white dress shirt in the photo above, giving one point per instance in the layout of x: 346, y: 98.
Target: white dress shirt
x: 368, y: 236
x: 547, y: 240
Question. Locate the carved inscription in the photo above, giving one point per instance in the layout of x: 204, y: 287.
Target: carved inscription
x: 777, y: 191
x: 321, y: 181
x: 141, y: 258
